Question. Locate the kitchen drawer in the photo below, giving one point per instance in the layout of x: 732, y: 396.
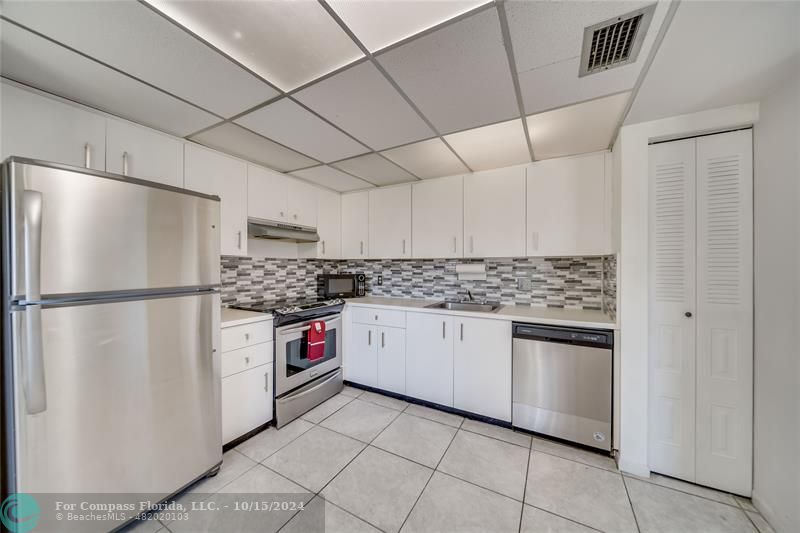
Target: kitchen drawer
x: 236, y: 337
x: 245, y: 358
x: 379, y: 317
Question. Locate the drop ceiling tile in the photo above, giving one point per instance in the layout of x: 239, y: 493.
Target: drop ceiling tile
x: 379, y: 24
x: 558, y: 85
x: 35, y: 61
x: 135, y: 39
x: 576, y: 129
x: 332, y: 178
x: 427, y: 159
x: 288, y: 123
x: 362, y: 102
x: 548, y: 32
x: 458, y: 75
x: 288, y: 43
x: 375, y: 169
x: 240, y: 142
x: 495, y: 146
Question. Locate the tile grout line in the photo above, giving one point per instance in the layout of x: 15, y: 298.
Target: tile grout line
x: 630, y: 502
x: 651, y: 482
x: 525, y: 487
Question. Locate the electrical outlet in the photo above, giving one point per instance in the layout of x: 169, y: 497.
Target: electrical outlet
x: 380, y: 280
x: 524, y: 284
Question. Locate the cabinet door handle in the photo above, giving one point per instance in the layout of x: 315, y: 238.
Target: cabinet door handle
x: 443, y: 329
x: 369, y: 337
x: 266, y: 381
x: 87, y: 155
x: 239, y: 243
x: 323, y: 247
x: 404, y: 247
x: 462, y: 331
x: 247, y: 360
x: 383, y: 340
x: 246, y: 336
x: 282, y: 215
x: 124, y: 163
x: 535, y: 240
x: 295, y: 216
x: 471, y: 244
x: 455, y: 245
x: 362, y: 248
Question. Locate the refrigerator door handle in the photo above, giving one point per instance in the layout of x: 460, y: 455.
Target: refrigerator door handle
x: 35, y: 391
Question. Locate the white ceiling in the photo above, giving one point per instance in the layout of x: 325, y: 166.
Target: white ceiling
x: 295, y: 85
x: 718, y: 54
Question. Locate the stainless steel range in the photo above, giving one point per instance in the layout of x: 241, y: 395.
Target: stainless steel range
x: 303, y: 382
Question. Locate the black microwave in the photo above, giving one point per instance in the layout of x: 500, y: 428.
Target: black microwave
x: 342, y: 285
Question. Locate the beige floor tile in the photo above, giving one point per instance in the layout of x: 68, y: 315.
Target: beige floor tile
x: 271, y: 440
x: 327, y: 408
x: 449, y: 504
x: 378, y: 487
x: 745, y: 503
x: 583, y: 493
x: 360, y: 420
x: 497, y: 432
x: 659, y: 509
x: 415, y: 438
x: 435, y: 415
x: 761, y: 523
x: 537, y: 521
x: 315, y: 457
x: 574, y: 453
x: 234, y: 464
x: 490, y: 463
x: 320, y: 516
x: 385, y: 401
x: 691, y: 488
x: 351, y: 391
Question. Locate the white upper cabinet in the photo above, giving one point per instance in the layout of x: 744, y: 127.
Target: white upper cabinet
x: 211, y: 172
x: 355, y: 223
x: 302, y: 203
x: 267, y: 194
x: 38, y: 127
x: 568, y: 206
x: 494, y: 213
x: 140, y: 152
x: 329, y: 224
x: 390, y: 222
x: 438, y: 218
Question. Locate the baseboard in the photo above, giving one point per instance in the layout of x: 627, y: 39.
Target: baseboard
x: 632, y: 467
x: 769, y: 514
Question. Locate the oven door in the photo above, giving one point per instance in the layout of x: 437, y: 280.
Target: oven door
x: 292, y: 366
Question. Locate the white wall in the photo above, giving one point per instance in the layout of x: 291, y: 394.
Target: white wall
x: 776, y: 161
x: 632, y: 144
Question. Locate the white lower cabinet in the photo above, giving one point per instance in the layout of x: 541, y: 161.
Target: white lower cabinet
x: 429, y: 357
x: 392, y: 359
x: 376, y: 352
x: 482, y: 367
x: 246, y: 370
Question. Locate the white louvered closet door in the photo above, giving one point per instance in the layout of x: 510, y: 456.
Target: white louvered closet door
x: 672, y: 295
x: 701, y: 310
x: 725, y: 311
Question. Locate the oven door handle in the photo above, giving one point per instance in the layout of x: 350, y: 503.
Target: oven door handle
x: 306, y: 328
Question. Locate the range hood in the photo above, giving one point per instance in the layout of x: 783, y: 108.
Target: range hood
x: 265, y: 229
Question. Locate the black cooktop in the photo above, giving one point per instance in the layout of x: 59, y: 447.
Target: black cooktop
x: 288, y: 311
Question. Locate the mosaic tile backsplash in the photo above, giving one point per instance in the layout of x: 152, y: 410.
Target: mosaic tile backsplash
x: 572, y: 282
x: 610, y: 285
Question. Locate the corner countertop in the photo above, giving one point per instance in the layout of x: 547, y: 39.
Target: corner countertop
x: 583, y: 318
x: 237, y: 317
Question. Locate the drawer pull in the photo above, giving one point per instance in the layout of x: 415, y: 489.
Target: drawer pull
x: 247, y: 360
x: 247, y: 336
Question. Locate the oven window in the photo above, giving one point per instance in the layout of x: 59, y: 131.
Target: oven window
x: 340, y: 286
x: 297, y: 353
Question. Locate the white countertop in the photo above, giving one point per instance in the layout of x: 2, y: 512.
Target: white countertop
x: 518, y: 313
x: 237, y: 317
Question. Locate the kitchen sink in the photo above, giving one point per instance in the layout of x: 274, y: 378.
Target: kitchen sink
x: 486, y: 307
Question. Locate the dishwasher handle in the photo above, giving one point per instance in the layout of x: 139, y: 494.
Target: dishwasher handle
x: 596, y: 338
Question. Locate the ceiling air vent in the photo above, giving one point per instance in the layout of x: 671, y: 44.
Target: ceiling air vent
x: 614, y: 42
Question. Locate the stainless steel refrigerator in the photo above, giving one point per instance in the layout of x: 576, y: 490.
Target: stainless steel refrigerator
x: 110, y: 374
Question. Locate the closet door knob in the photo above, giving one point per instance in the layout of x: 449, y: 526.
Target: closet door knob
x: 688, y: 314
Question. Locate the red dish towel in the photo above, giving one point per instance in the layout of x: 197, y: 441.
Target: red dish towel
x: 316, y: 340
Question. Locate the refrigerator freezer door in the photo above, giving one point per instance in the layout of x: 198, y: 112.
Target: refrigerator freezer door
x: 101, y: 233
x: 133, y: 397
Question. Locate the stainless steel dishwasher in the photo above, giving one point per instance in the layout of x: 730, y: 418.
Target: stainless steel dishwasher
x: 562, y: 383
